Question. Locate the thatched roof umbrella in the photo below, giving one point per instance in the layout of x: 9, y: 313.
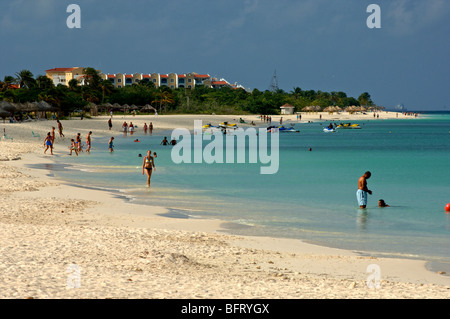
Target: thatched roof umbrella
x: 45, y: 107
x: 105, y: 106
x: 4, y: 113
x: 351, y: 109
x: 147, y: 108
x: 362, y: 109
x: 33, y: 106
x: 329, y: 109
x: 9, y: 107
x: 116, y: 106
x: 90, y: 107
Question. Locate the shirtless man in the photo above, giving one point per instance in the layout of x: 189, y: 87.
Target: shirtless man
x: 361, y: 193
x: 88, y: 142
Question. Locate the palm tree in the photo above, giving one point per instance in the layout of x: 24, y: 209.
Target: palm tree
x: 44, y: 82
x: 7, y: 81
x: 163, y: 97
x: 73, y: 84
x: 107, y: 87
x: 25, y: 79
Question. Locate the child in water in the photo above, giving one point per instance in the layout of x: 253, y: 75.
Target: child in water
x: 381, y: 203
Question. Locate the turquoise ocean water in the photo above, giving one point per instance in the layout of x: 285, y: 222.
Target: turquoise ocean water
x: 312, y: 196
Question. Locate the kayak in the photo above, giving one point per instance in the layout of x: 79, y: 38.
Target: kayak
x: 329, y: 130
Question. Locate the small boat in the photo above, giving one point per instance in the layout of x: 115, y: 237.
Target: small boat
x: 281, y: 128
x: 288, y: 130
x: 226, y: 124
x: 348, y: 126
x: 329, y: 130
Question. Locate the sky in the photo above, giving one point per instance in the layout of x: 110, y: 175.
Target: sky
x: 312, y: 44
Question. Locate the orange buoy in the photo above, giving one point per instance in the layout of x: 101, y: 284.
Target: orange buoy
x: 447, y: 208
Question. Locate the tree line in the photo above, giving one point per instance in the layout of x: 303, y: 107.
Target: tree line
x: 201, y: 100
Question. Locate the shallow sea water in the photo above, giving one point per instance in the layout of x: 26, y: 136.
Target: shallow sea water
x: 311, y: 197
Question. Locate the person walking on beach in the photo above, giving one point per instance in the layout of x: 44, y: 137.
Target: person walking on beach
x: 48, y: 143
x: 60, y: 128
x: 110, y: 124
x: 110, y: 144
x: 150, y: 127
x: 148, y: 165
x: 88, y: 143
x: 361, y: 193
x: 145, y: 128
x: 53, y: 135
x: 73, y: 147
x: 78, y: 141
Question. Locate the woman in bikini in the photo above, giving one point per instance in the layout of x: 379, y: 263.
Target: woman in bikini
x: 148, y: 166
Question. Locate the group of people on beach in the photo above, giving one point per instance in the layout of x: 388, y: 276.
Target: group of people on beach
x: 266, y: 118
x: 49, y: 141
x: 131, y: 127
x: 76, y: 146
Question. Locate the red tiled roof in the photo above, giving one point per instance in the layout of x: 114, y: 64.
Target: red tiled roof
x: 147, y: 76
x: 128, y: 75
x: 219, y: 82
x: 181, y: 75
x: 201, y: 75
x: 164, y: 75
x: 60, y: 69
x: 13, y: 86
x: 111, y: 75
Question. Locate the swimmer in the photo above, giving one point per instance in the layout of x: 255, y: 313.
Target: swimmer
x: 164, y: 141
x: 381, y: 203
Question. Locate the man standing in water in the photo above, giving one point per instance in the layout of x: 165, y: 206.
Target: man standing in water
x: 148, y: 165
x: 361, y: 193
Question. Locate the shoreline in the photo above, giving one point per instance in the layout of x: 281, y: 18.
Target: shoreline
x: 279, y: 267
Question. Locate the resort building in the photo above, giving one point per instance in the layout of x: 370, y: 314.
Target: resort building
x: 64, y: 75
x: 172, y: 80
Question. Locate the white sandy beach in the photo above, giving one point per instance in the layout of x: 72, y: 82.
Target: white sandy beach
x: 123, y: 250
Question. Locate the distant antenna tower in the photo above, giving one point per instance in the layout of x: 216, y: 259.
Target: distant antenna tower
x: 274, y: 84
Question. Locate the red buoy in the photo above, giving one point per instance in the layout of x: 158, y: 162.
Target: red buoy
x: 447, y: 208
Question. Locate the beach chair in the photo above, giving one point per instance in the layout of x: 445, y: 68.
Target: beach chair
x: 6, y: 137
x: 35, y: 134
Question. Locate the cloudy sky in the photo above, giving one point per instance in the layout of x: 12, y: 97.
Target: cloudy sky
x: 312, y: 44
